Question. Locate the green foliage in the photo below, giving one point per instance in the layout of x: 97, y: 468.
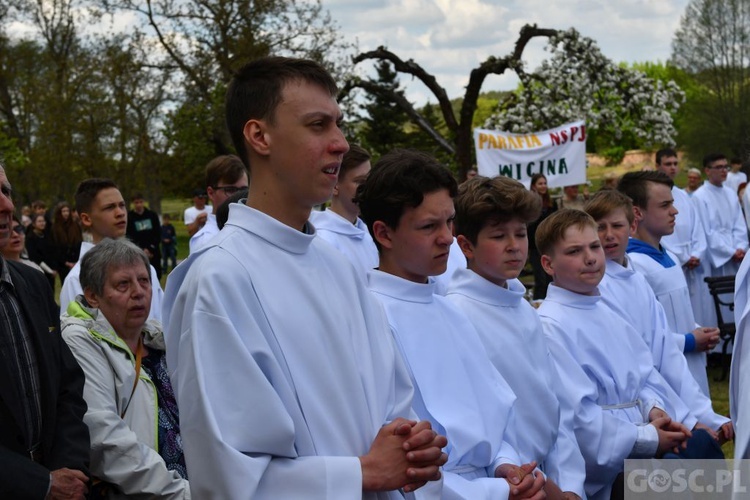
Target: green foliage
x: 385, y: 126
x: 711, y: 49
x: 614, y: 155
x: 385, y: 123
x: 144, y: 107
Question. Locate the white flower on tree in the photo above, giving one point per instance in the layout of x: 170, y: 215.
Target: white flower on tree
x: 577, y: 82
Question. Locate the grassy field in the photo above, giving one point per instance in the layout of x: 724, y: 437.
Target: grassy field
x: 720, y: 398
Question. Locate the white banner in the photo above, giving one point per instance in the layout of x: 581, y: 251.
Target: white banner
x: 559, y: 154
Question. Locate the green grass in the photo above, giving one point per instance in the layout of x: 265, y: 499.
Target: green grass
x: 720, y: 398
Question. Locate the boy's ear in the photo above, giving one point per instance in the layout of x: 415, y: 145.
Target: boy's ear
x: 382, y: 233
x: 547, y: 265
x: 336, y: 189
x: 466, y: 246
x: 256, y: 137
x: 638, y: 213
x: 85, y: 219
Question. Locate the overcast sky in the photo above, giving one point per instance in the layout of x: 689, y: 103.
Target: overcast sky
x: 451, y: 37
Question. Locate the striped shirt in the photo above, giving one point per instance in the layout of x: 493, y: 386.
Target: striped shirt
x: 18, y: 353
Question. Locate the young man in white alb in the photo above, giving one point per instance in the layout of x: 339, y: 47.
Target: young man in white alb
x: 723, y: 223
x: 288, y: 383
x: 688, y: 241
x: 340, y: 224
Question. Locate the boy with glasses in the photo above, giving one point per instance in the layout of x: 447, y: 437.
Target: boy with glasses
x: 726, y: 232
x: 225, y: 175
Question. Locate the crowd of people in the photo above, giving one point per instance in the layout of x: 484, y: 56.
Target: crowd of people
x: 383, y: 348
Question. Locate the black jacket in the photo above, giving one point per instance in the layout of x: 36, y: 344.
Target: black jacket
x: 65, y: 438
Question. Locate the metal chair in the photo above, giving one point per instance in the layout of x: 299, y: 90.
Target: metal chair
x: 723, y: 286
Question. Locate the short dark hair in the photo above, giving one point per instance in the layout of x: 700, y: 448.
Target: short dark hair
x: 400, y: 179
x: 665, y: 153
x: 735, y: 161
x: 355, y: 157
x: 226, y: 168
x: 255, y: 92
x: 712, y: 157
x: 87, y: 190
x: 634, y: 185
x: 607, y: 201
x: 482, y: 201
x: 553, y: 228
x: 222, y: 212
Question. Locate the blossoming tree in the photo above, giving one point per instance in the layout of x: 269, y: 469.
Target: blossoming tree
x: 577, y: 82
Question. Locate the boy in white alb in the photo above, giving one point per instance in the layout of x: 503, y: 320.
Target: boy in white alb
x: 288, y: 383
x: 628, y: 293
x: 724, y: 224
x: 225, y: 176
x: 407, y: 202
x: 103, y: 214
x: 340, y: 224
x: 688, y: 241
x: 491, y: 219
x: 622, y: 404
x: 655, y: 215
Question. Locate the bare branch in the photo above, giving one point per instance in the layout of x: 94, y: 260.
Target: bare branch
x: 405, y: 105
x: 173, y: 54
x: 411, y: 68
x: 497, y: 66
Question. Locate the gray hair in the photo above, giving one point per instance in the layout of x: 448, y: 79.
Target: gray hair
x: 107, y: 254
x: 694, y: 171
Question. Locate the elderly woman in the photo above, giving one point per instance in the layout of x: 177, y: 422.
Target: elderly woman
x: 132, y: 415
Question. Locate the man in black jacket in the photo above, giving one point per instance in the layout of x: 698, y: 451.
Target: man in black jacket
x: 44, y: 444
